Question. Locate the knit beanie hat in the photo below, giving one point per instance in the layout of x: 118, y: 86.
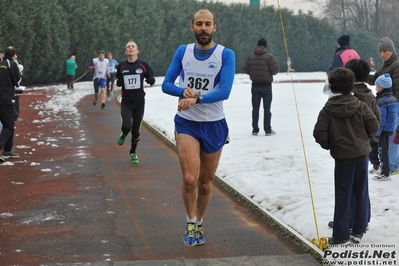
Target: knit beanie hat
x: 262, y: 42
x: 384, y: 81
x: 386, y: 44
x: 344, y: 40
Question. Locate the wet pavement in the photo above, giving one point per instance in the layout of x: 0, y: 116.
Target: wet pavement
x: 73, y: 198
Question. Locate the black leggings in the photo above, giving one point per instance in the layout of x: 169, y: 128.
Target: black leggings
x: 132, y: 112
x: 7, y: 116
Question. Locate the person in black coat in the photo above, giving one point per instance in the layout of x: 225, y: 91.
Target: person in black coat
x: 9, y: 78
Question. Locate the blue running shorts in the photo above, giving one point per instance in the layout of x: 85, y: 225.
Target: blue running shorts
x: 99, y: 83
x: 211, y: 135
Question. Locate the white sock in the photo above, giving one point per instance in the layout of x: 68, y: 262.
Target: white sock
x: 200, y: 222
x: 194, y: 220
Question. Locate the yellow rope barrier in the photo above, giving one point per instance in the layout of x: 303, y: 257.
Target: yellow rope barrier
x: 321, y: 243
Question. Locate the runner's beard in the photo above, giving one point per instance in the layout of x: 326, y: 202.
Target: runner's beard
x: 203, y: 41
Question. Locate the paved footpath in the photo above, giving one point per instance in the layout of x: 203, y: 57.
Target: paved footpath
x: 73, y: 198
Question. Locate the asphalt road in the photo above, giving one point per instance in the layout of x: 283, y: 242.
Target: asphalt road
x: 74, y: 197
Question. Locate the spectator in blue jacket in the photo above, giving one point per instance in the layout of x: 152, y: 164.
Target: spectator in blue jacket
x: 389, y: 112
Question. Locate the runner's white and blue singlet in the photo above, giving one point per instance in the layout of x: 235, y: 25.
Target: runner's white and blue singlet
x: 209, y: 73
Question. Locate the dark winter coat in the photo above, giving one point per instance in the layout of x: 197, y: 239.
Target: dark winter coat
x: 389, y: 111
x: 261, y: 66
x: 345, y: 126
x: 9, y: 77
x: 390, y: 66
x: 364, y: 94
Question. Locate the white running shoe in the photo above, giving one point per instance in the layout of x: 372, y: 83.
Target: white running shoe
x: 382, y: 177
x: 375, y: 170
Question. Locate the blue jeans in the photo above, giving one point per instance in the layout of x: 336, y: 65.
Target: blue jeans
x: 393, y: 153
x: 262, y: 93
x: 383, y: 152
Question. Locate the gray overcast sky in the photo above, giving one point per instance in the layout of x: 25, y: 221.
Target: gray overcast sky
x: 290, y: 4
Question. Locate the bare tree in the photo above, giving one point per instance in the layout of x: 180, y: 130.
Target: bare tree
x: 389, y: 17
x: 377, y: 16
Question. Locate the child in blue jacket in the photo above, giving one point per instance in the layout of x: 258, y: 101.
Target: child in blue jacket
x: 389, y: 113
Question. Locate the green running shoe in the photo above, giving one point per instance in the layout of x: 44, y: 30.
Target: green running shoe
x: 394, y: 172
x: 10, y: 154
x: 134, y: 158
x: 121, y: 139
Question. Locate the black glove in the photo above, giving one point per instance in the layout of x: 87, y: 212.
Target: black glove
x: 119, y: 82
x: 150, y: 81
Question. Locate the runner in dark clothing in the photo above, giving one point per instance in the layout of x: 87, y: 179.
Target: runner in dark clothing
x: 130, y: 76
